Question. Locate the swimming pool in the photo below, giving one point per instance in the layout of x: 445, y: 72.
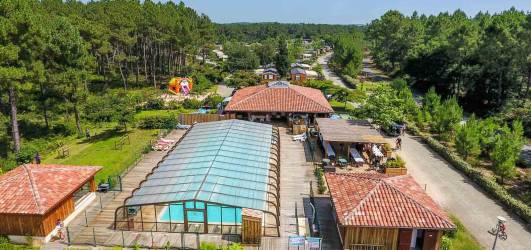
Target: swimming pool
x: 215, y: 213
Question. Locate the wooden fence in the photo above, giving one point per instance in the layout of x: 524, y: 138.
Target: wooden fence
x: 189, y: 119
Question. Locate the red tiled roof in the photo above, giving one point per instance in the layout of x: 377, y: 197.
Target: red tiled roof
x: 378, y: 200
x: 35, y: 189
x: 293, y: 98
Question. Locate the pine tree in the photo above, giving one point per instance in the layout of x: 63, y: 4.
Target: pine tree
x: 467, y: 138
x: 281, y: 60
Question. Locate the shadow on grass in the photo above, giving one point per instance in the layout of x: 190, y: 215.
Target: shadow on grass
x: 106, y: 134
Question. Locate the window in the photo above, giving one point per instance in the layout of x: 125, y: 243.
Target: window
x: 297, y: 77
x: 81, y: 192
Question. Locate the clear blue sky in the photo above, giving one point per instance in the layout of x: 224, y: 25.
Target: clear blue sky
x: 338, y: 11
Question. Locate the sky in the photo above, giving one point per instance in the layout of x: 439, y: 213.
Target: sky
x: 338, y: 11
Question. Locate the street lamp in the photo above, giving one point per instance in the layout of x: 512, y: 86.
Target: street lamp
x: 499, y: 231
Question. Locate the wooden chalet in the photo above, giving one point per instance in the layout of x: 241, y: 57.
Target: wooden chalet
x: 34, y: 197
x: 377, y: 211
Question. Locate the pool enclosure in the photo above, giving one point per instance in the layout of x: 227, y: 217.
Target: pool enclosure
x: 221, y: 177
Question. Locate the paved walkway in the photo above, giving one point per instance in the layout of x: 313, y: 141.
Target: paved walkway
x: 460, y: 196
x: 295, y: 176
x: 328, y: 73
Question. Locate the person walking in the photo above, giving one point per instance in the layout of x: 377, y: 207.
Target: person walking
x: 37, y: 158
x: 398, y: 143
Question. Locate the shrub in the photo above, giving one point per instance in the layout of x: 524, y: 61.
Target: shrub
x: 213, y: 100
x: 25, y: 155
x: 319, y: 175
x: 157, y: 120
x: 397, y: 162
x: 192, y: 103
x: 154, y: 104
x: 489, y: 185
x: 207, y: 246
x: 467, y: 138
x: 446, y: 243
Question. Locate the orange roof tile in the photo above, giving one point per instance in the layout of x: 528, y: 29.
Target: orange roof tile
x: 35, y: 189
x: 378, y: 200
x: 293, y: 98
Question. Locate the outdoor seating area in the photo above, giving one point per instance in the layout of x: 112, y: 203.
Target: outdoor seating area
x: 351, y: 145
x: 209, y: 182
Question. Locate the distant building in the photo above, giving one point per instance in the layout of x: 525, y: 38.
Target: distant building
x: 270, y: 74
x: 298, y: 75
x: 278, y: 100
x: 301, y: 65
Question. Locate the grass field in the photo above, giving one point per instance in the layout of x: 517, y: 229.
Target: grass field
x: 101, y: 151
x: 462, y: 238
x: 339, y: 107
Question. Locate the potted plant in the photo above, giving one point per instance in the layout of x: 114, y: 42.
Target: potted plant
x: 388, y: 150
x: 395, y: 166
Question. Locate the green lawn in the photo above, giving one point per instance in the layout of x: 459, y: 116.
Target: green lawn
x: 339, y: 107
x: 462, y: 238
x: 101, y: 151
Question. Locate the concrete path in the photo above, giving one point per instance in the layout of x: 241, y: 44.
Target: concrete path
x: 224, y: 90
x: 296, y: 172
x: 457, y: 194
x: 328, y: 73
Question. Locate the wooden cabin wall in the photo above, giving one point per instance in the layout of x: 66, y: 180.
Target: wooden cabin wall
x: 60, y: 212
x: 20, y: 224
x: 388, y: 237
x: 251, y: 230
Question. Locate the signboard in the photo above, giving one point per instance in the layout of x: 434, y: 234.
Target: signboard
x: 296, y: 241
x: 314, y: 242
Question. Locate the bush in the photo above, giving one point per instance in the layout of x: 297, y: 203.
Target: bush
x: 207, y: 246
x: 154, y: 104
x: 489, y: 185
x: 446, y: 243
x: 157, y: 121
x: 192, y: 103
x: 319, y: 175
x: 25, y: 155
x: 398, y: 162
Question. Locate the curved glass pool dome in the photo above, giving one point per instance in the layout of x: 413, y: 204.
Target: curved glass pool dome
x: 214, y: 171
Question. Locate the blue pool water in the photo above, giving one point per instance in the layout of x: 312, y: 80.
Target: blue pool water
x: 215, y: 213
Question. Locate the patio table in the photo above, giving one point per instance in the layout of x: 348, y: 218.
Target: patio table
x: 342, y: 161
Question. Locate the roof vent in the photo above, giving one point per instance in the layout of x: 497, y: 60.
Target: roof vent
x: 278, y: 84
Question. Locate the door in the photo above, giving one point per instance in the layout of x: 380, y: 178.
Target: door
x: 195, y: 221
x: 404, y: 238
x: 431, y: 237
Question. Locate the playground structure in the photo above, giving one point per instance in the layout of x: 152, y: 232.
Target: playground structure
x: 180, y: 85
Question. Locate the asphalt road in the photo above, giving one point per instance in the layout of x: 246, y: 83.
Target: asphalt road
x: 457, y: 194
x: 328, y: 73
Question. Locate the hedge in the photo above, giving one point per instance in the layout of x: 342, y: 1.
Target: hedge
x: 157, y: 121
x: 489, y: 185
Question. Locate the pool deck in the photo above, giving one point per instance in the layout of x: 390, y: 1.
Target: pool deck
x: 296, y: 174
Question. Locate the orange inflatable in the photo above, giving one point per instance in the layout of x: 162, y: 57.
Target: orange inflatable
x: 180, y: 85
